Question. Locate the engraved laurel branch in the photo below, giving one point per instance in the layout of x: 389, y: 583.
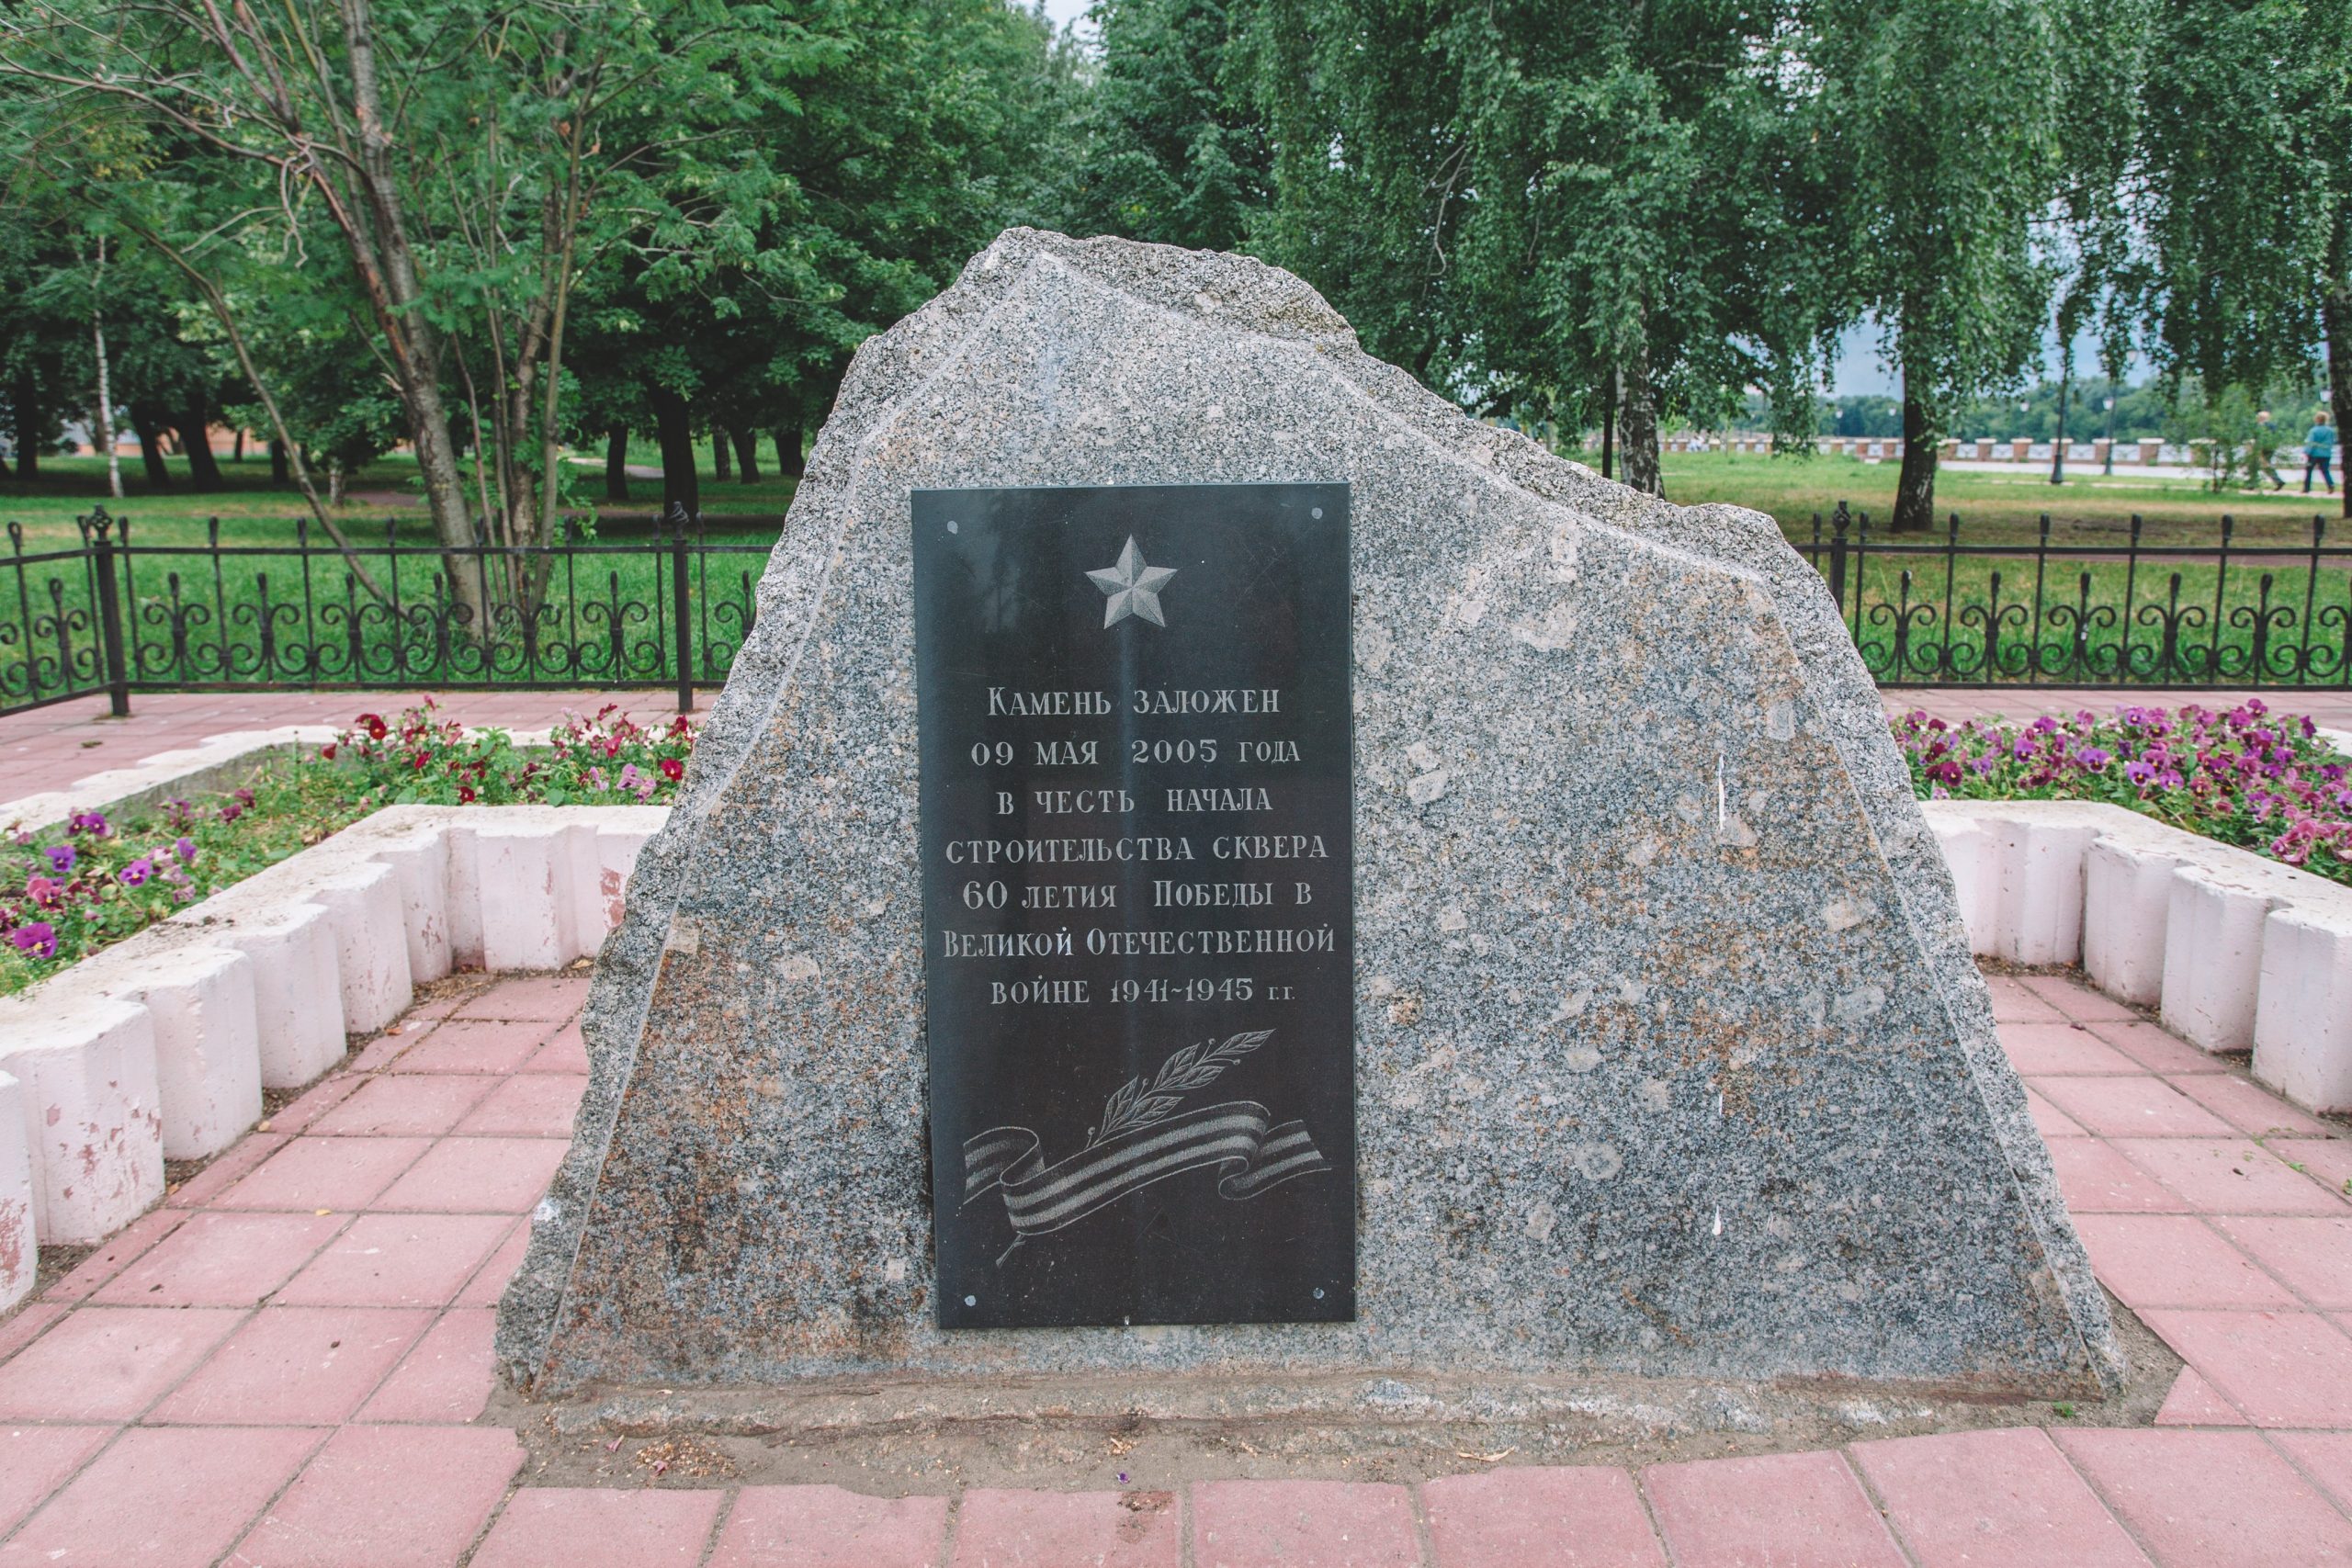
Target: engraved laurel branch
x: 1134, y: 1104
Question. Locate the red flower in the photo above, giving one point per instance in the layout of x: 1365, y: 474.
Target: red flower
x: 327, y: 751
x: 464, y: 796
x: 672, y: 769
x: 374, y: 725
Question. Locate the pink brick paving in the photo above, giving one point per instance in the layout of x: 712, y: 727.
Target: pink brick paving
x: 283, y: 1367
x: 50, y: 748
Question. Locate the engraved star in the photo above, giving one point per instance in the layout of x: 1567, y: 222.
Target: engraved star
x: 1132, y: 587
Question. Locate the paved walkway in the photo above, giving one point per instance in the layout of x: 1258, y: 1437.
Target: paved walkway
x: 50, y: 748
x: 283, y: 1367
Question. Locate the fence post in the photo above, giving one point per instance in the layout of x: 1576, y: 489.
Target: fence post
x: 110, y: 616
x: 1839, y: 521
x: 685, y: 633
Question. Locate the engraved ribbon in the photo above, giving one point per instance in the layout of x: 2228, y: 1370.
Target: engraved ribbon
x: 1251, y: 1151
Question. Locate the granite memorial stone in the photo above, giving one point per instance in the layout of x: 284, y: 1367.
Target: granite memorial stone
x: 1667, y: 1056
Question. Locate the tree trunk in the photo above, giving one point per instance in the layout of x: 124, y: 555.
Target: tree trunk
x: 2335, y: 313
x: 24, y: 398
x: 788, y: 460
x: 147, y: 419
x: 718, y: 469
x: 616, y: 463
x: 280, y: 470
x: 673, y: 432
x: 1915, y: 491
x: 237, y: 453
x: 747, y: 456
x: 1637, y: 429
x: 196, y: 442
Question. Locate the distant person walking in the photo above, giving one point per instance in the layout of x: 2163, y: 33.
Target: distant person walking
x: 2263, y: 452
x: 2319, y: 453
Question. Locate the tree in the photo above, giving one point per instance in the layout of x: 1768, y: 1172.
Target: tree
x: 468, y: 161
x: 1946, y: 119
x: 2246, y: 199
x: 1168, y: 150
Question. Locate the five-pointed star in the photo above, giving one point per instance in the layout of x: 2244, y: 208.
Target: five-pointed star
x: 1132, y: 586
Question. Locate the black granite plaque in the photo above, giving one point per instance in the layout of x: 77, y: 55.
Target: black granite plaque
x: 1137, y: 887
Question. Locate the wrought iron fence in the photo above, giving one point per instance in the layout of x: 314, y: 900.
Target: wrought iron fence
x: 116, y: 616
x: 112, y: 615
x: 1934, y: 612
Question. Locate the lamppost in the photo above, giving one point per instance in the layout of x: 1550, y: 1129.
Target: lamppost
x: 2108, y: 467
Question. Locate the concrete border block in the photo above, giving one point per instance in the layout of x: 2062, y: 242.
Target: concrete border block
x: 2037, y: 888
x: 2303, y: 1024
x: 200, y: 1003
x: 2127, y: 901
x: 529, y: 911
x: 298, y: 992
x: 90, y: 1111
x: 363, y: 902
x: 1967, y: 848
x: 19, y: 1251
x: 2213, y: 960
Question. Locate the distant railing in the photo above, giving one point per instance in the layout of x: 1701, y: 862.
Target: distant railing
x: 108, y: 615
x: 114, y: 615
x: 1927, y: 609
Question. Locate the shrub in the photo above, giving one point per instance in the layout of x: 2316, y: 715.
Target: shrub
x: 607, y: 760
x: 2245, y: 777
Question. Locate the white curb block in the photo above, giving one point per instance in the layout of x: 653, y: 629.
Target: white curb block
x: 2236, y: 951
x: 223, y: 762
x: 159, y: 1046
x: 19, y: 1256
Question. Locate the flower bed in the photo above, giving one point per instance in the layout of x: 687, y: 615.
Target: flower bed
x: 2247, y: 777
x: 66, y: 895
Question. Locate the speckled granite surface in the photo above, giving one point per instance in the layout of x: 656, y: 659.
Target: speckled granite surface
x: 1671, y: 1058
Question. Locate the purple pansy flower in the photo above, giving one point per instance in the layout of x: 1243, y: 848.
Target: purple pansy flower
x: 61, y: 857
x: 136, y: 872
x: 37, y: 940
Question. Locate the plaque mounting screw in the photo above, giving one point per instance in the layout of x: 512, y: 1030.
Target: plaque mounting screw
x: 974, y: 1300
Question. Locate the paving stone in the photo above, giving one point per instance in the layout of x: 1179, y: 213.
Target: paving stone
x: 26, y: 1323
x: 2193, y: 1401
x: 457, y: 1174
x: 2156, y: 1048
x: 2173, y: 1260
x: 397, y: 1261
x: 2283, y: 1369
x: 489, y: 1282
x: 2076, y: 999
x: 825, y: 1527
x: 385, y: 1497
x: 476, y: 1045
x: 566, y: 1053
x: 315, y: 1172
x: 1540, y: 1517
x: 446, y: 1378
x: 108, y: 1364
x: 406, y: 1105
x: 161, y: 1498
x: 2327, y: 1161
x: 528, y: 1105
x: 2312, y: 1254
x: 1765, y: 1511
x: 2228, y: 1176
x: 997, y: 1528
x: 2210, y: 1499
x: 2095, y: 1180
x: 2003, y: 1497
x: 2249, y: 1107
x: 553, y: 998
x: 295, y: 1367
x: 2327, y: 1458
x: 229, y: 1168
x: 2039, y: 1049
x: 567, y: 1527
x: 2012, y: 1003
x: 302, y: 1113
x: 35, y: 1461
x: 221, y: 1260
x: 2140, y: 1107
x: 2048, y: 1119
x: 1303, y: 1524
x: 114, y: 1255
